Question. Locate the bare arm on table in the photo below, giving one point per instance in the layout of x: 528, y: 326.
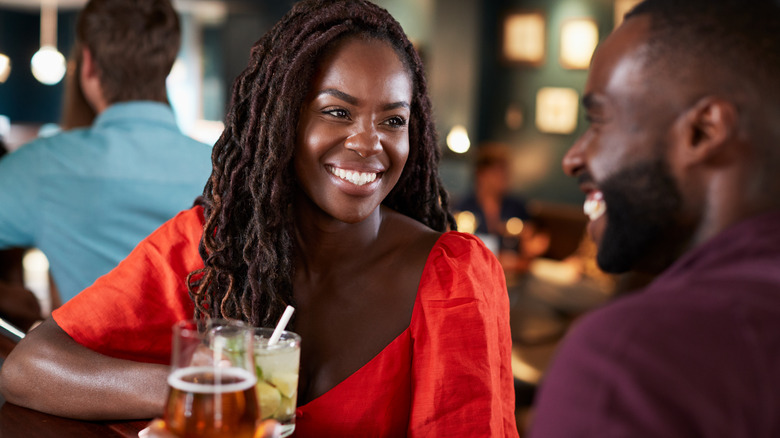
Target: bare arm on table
x: 50, y: 372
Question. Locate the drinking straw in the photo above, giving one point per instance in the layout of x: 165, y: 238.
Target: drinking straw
x: 15, y: 331
x: 281, y: 325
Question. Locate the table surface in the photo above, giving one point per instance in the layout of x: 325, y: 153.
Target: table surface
x: 19, y: 422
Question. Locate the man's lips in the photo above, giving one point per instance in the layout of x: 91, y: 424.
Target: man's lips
x: 594, y: 206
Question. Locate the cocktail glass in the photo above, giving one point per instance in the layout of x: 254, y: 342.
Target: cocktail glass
x: 277, y: 376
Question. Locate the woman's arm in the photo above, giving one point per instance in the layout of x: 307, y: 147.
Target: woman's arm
x: 462, y: 377
x: 50, y: 372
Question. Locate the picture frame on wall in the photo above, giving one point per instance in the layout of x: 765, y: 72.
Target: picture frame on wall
x: 579, y: 38
x: 556, y: 110
x: 523, y: 38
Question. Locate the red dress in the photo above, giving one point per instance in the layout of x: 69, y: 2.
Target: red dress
x: 447, y: 374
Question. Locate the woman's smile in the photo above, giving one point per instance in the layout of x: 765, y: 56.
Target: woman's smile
x: 355, y: 177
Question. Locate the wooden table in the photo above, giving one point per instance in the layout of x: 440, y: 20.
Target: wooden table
x: 19, y: 422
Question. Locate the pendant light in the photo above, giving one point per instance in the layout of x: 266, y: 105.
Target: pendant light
x: 5, y: 67
x: 48, y: 64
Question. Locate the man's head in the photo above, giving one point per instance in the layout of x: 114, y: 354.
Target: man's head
x: 683, y: 101
x: 132, y: 45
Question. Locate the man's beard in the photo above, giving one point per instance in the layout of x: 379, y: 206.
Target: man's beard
x: 643, y: 209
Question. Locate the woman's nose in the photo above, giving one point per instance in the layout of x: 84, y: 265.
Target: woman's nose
x: 365, y: 142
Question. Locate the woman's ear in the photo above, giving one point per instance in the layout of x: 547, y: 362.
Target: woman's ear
x: 704, y: 131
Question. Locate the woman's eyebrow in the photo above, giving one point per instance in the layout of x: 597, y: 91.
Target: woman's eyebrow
x: 339, y: 95
x: 352, y: 100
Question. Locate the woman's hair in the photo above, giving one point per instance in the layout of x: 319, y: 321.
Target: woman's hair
x: 248, y: 237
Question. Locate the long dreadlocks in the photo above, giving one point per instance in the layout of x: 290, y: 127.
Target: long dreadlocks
x: 247, y: 243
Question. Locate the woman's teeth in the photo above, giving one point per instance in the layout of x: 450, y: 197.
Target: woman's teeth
x: 357, y: 178
x: 594, y: 206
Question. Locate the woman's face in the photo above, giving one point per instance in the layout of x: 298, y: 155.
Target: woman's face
x: 353, y: 136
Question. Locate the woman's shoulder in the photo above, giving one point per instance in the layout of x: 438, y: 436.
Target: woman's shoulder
x: 459, y: 244
x: 461, y: 266
x: 187, y: 223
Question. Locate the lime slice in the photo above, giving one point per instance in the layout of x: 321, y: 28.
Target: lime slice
x: 287, y: 408
x: 269, y: 399
x: 286, y: 383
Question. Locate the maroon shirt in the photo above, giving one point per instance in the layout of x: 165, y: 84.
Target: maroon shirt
x: 695, y: 354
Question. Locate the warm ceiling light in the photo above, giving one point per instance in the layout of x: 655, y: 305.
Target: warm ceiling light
x: 48, y: 64
x: 458, y: 139
x: 5, y: 67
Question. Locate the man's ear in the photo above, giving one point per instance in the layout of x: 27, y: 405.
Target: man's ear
x: 87, y: 64
x: 705, y: 129
x: 90, y: 82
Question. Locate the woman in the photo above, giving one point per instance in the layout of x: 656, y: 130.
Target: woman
x: 324, y: 195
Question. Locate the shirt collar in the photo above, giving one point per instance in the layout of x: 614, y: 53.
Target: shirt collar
x: 136, y: 110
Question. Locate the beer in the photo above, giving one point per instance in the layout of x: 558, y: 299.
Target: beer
x: 209, y: 402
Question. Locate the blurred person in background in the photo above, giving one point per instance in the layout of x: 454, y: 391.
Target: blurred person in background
x: 680, y: 171
x: 502, y: 219
x: 87, y: 196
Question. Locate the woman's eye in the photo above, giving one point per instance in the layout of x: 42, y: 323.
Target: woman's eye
x: 337, y: 112
x: 396, y: 121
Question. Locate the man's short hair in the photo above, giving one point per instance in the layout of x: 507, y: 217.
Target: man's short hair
x: 735, y: 39
x: 133, y: 44
x: 726, y: 48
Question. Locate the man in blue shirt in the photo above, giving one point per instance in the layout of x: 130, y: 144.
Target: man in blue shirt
x: 86, y: 197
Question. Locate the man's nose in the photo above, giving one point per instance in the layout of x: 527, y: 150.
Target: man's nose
x: 574, y: 160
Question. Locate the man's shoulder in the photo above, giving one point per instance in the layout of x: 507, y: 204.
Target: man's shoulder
x: 43, y: 148
x: 690, y: 309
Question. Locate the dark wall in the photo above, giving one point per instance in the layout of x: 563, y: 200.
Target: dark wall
x: 244, y: 27
x: 22, y: 98
x: 537, y: 155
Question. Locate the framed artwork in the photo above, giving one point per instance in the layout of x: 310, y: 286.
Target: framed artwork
x: 579, y: 38
x: 524, y: 38
x: 556, y: 110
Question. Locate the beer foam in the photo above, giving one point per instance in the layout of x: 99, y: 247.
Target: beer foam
x: 176, y: 380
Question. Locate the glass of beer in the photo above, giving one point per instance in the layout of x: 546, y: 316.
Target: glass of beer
x: 212, y: 381
x: 277, y: 376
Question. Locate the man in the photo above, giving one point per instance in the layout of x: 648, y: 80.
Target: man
x: 86, y: 197
x: 681, y: 170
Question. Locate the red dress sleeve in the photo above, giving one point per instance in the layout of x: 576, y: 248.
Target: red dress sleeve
x: 462, y: 382
x: 128, y: 313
